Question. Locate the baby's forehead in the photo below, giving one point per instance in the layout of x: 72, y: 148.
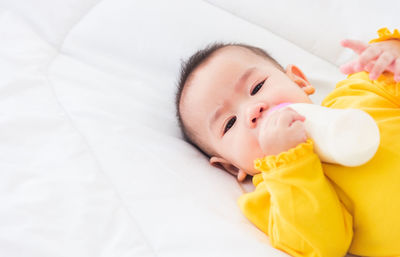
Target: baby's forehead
x: 224, y: 65
x: 226, y: 59
x: 232, y: 52
x: 232, y: 55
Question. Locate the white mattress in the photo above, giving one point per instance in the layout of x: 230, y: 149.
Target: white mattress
x: 91, y: 159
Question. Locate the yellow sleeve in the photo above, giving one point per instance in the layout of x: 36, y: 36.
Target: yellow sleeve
x: 360, y: 92
x: 297, y: 207
x: 385, y: 34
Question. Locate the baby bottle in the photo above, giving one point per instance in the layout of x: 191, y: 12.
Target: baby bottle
x: 349, y: 137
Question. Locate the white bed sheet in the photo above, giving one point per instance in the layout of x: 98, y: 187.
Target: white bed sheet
x: 92, y: 160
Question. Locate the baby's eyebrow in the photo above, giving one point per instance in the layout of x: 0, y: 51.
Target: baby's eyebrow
x: 217, y: 113
x: 244, y: 77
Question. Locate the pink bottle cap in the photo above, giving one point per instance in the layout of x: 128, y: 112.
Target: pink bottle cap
x: 276, y: 107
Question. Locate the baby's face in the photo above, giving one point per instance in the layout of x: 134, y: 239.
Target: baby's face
x: 227, y: 99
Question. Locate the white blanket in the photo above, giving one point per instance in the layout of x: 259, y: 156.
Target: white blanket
x: 92, y: 162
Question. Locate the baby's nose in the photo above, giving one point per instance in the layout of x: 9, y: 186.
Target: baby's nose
x: 254, y: 112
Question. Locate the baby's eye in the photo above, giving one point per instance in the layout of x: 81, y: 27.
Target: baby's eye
x: 257, y: 88
x: 230, y: 124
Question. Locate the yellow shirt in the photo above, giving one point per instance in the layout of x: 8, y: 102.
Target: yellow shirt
x: 309, y: 208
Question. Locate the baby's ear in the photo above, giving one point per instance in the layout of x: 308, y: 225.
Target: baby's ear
x: 227, y: 166
x: 295, y: 74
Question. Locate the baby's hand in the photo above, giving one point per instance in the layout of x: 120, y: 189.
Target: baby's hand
x: 374, y: 58
x: 281, y: 130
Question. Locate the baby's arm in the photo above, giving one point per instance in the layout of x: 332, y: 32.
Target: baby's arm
x: 382, y: 54
x: 297, y: 207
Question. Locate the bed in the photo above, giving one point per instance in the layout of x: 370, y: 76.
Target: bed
x: 92, y: 162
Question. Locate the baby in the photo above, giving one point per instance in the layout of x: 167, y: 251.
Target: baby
x: 225, y: 105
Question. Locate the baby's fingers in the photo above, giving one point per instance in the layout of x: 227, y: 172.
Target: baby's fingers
x: 397, y: 70
x: 370, y: 54
x: 381, y: 65
x: 288, y: 117
x: 298, y: 132
x: 351, y: 67
x: 355, y: 45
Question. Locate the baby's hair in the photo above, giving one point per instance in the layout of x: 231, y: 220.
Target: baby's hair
x: 187, y: 69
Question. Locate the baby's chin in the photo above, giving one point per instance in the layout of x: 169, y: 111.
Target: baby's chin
x: 249, y: 168
x: 253, y: 172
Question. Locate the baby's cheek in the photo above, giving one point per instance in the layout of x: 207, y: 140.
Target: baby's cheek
x: 246, y: 150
